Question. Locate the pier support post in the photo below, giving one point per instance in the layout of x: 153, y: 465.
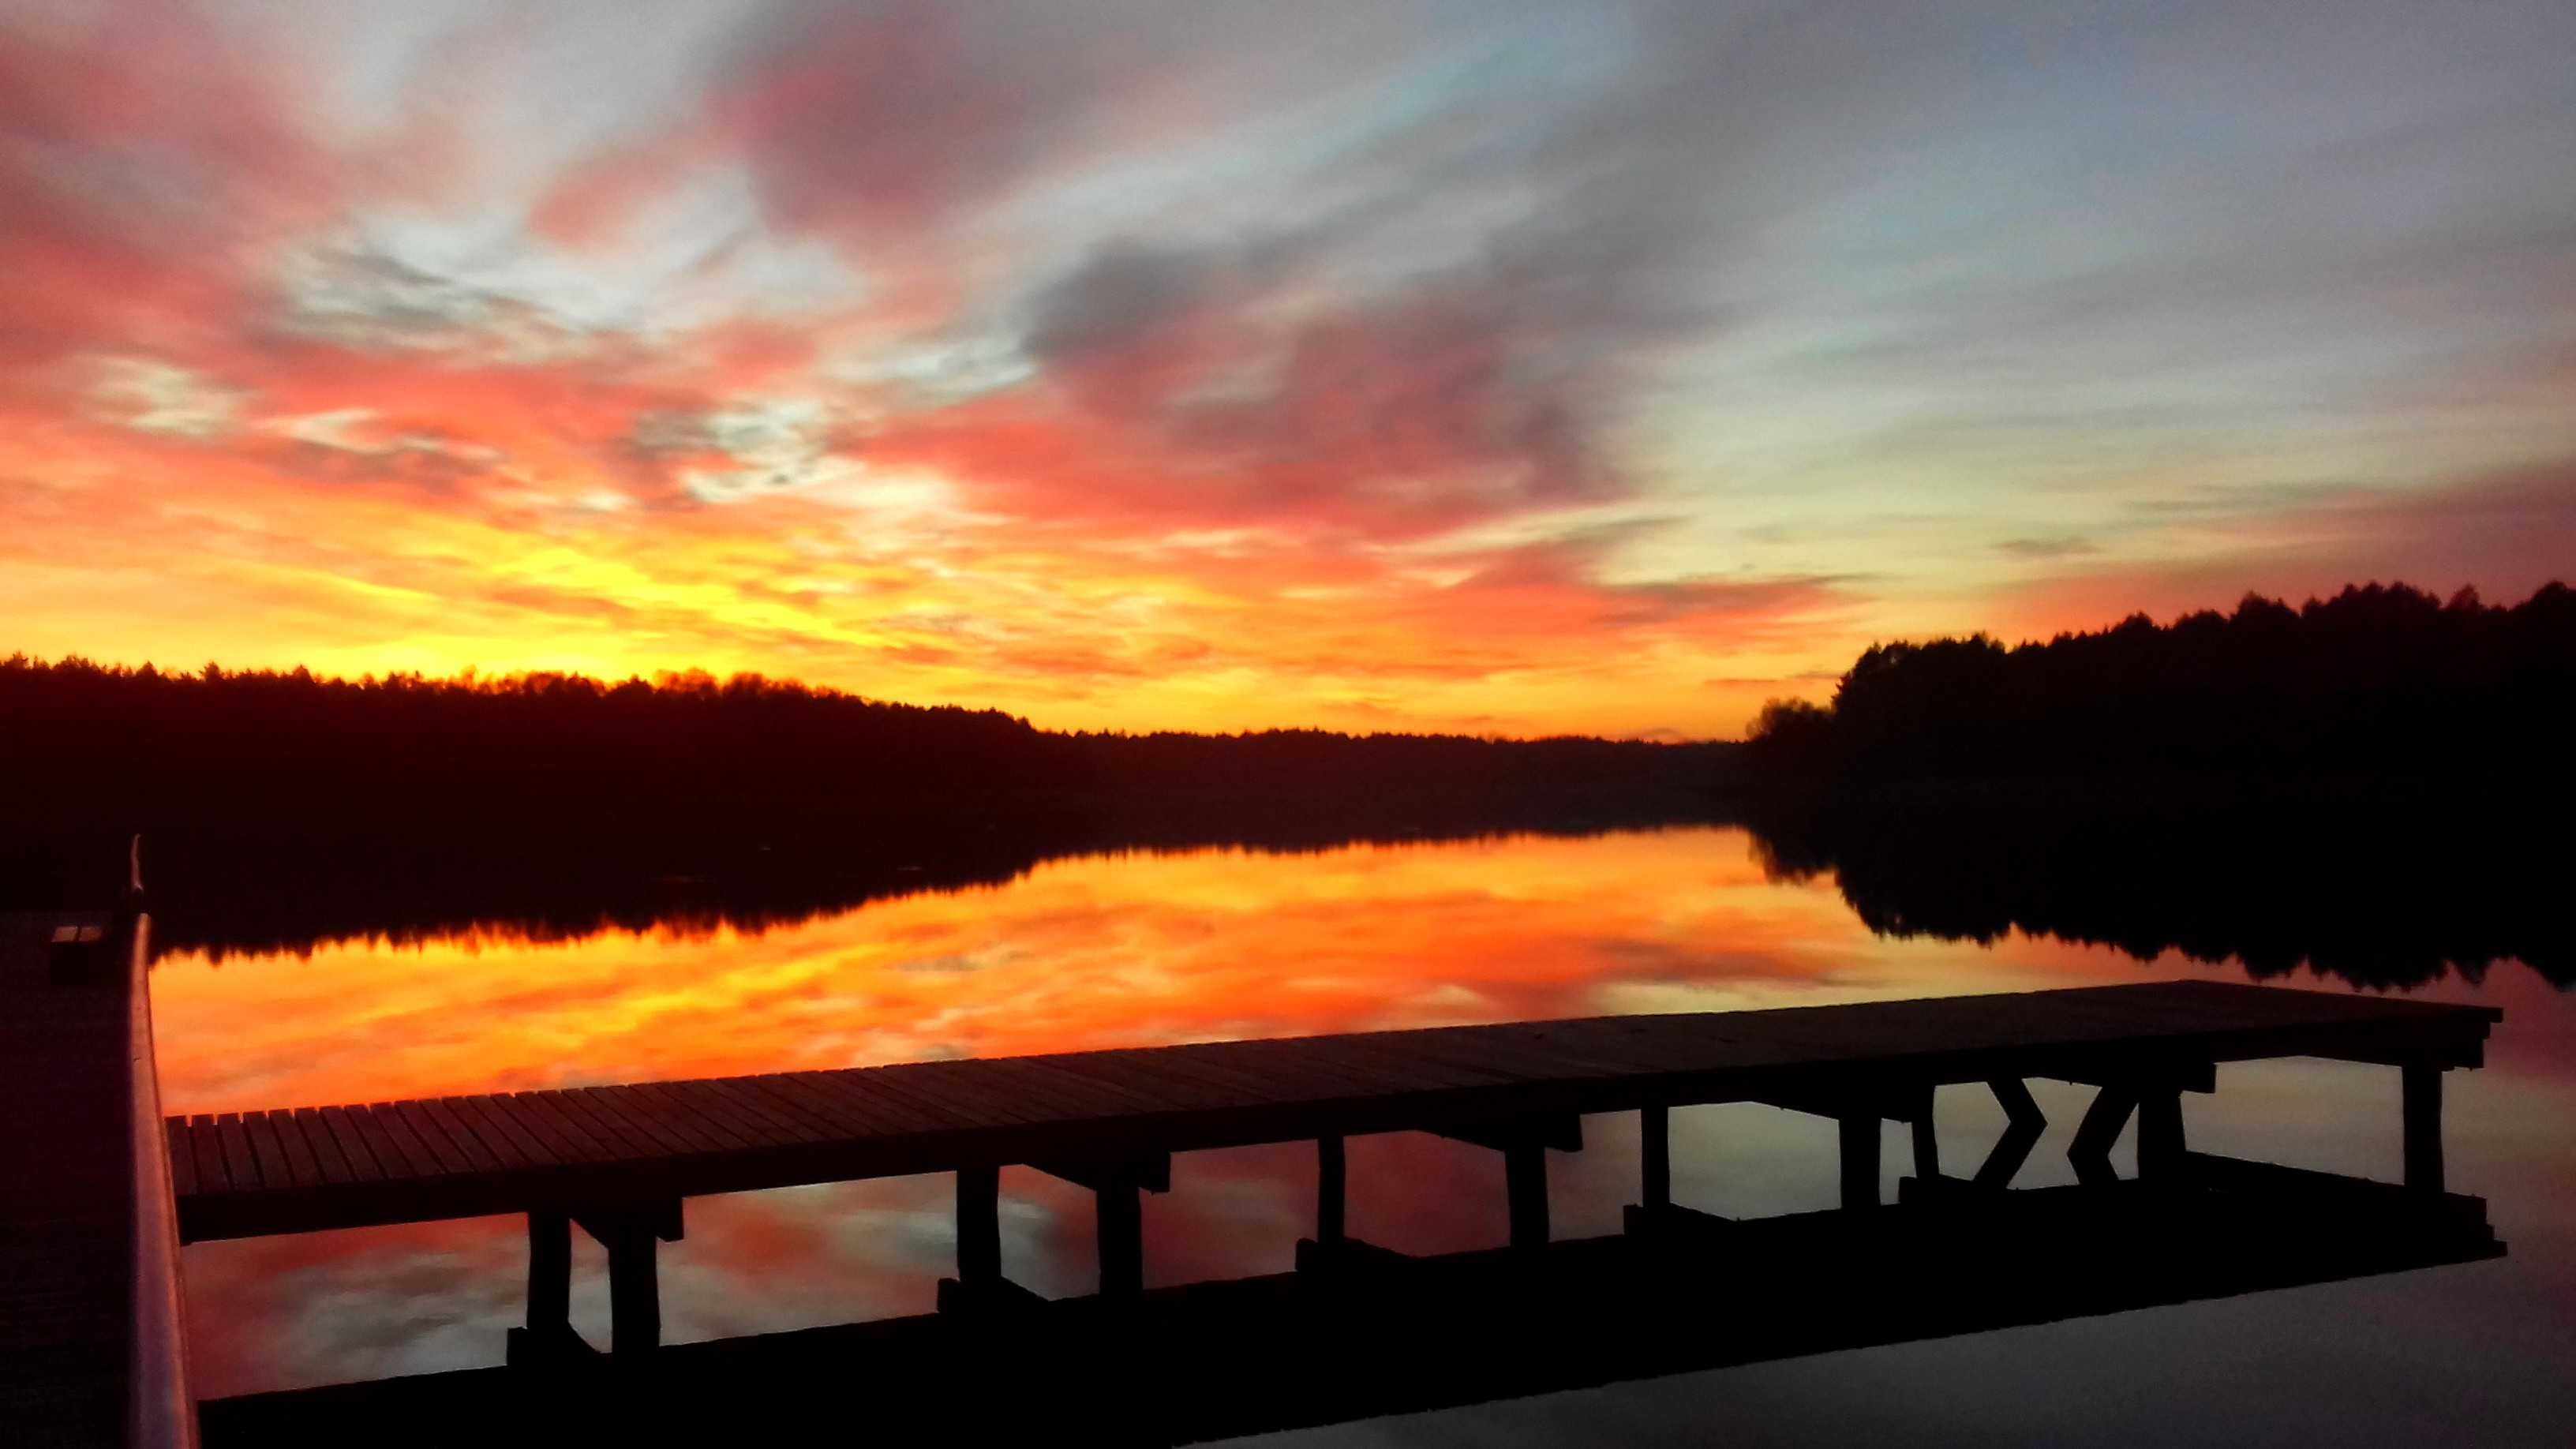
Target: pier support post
x: 548, y: 1336
x: 549, y: 1274
x: 1122, y: 1239
x: 1525, y: 1185
x: 1116, y: 1189
x: 979, y: 1225
x: 1655, y: 1157
x: 1859, y: 1134
x: 2024, y: 1122
x: 1927, y: 1146
x: 2091, y: 1149
x: 2160, y: 1136
x: 2423, y: 1094
x: 1331, y: 1192
x: 632, y: 1234
x: 634, y: 1293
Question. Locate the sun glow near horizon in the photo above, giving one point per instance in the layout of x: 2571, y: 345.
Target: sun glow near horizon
x: 1604, y: 367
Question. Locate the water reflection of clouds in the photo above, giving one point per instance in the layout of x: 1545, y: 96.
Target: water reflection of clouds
x: 1140, y: 949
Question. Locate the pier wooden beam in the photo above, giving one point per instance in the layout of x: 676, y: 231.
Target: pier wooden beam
x: 1151, y: 1172
x: 2423, y: 1110
x: 1562, y: 1131
x: 1900, y: 1103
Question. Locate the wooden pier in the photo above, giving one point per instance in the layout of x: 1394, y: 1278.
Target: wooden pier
x: 1398, y: 1335
x: 618, y: 1161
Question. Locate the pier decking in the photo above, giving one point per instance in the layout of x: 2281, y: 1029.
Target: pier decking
x: 619, y: 1160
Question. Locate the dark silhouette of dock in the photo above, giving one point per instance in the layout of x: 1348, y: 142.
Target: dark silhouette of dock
x: 619, y: 1161
x: 97, y: 1190
x: 1357, y: 1336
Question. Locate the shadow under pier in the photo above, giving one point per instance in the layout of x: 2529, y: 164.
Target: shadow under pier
x: 1359, y: 1332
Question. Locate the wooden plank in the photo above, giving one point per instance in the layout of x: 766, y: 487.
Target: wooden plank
x: 851, y: 1121
x: 546, y: 1127
x: 617, y: 1103
x: 797, y: 1112
x: 327, y: 1156
x: 207, y: 1146
x: 896, y: 1116
x: 450, y: 1154
x: 388, y: 1153
x: 971, y: 1099
x: 463, y: 1120
x: 352, y: 1144
x: 498, y: 1122
x: 1292, y: 1071
x: 711, y: 1115
x: 404, y: 1140
x: 183, y: 1158
x: 303, y: 1168
x: 479, y: 1155
x: 772, y: 1116
x: 275, y: 1168
x: 573, y: 1128
x: 1122, y: 1083
x: 629, y: 1144
x: 639, y: 1104
x: 1027, y: 1080
x: 242, y: 1168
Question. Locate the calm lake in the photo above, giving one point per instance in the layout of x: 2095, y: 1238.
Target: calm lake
x: 1147, y: 949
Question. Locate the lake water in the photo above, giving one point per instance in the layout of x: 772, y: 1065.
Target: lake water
x: 1146, y: 949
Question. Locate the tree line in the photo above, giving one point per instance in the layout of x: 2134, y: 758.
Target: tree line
x: 2380, y: 680
x: 289, y: 751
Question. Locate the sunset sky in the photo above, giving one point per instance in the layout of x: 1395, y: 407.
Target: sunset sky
x: 1361, y: 363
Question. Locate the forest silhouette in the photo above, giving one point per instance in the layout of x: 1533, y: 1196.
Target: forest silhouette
x: 139, y: 748
x: 2378, y: 681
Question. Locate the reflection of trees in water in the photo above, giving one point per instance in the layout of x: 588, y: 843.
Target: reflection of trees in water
x: 233, y: 891
x: 2384, y: 896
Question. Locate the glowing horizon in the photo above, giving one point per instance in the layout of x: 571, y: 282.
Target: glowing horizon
x: 1445, y: 366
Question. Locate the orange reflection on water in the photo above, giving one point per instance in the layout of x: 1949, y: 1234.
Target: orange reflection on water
x: 1089, y: 952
